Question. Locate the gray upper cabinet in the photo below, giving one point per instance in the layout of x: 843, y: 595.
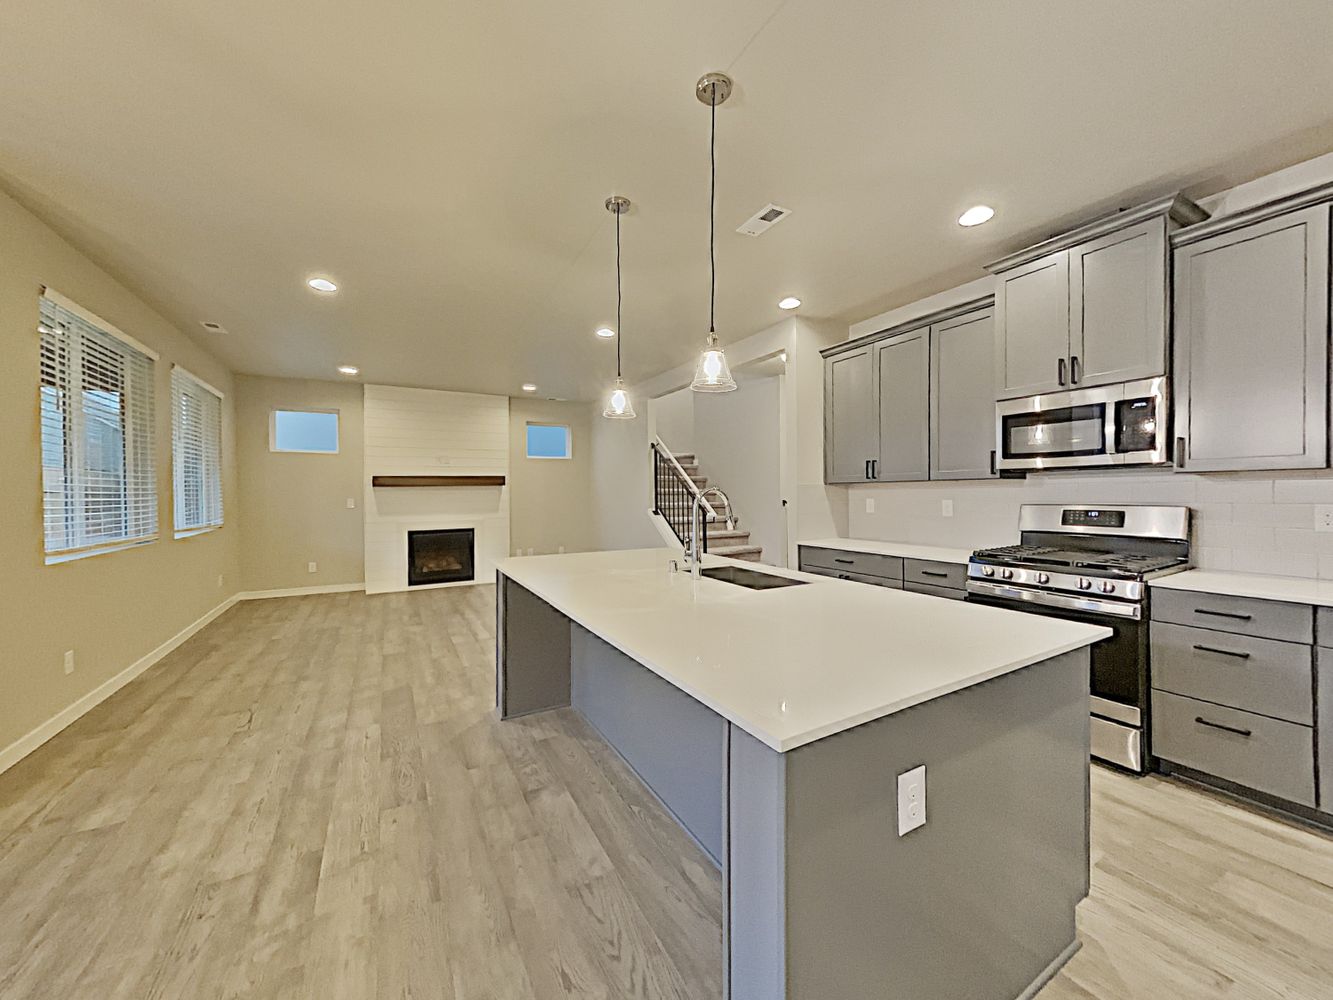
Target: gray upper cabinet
x: 851, y: 424
x: 1031, y: 339
x: 962, y: 393
x: 1251, y: 354
x: 902, y: 386
x: 1089, y: 307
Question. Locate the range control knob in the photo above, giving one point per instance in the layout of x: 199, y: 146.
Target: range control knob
x: 1008, y: 574
x: 1043, y: 578
x: 987, y: 570
x: 1108, y: 587
x: 1084, y: 583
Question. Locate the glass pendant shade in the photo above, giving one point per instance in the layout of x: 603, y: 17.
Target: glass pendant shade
x: 713, y: 374
x: 618, y: 404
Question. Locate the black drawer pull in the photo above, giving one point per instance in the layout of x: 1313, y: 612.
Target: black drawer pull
x: 1226, y: 729
x: 1223, y: 652
x: 931, y: 572
x: 843, y: 576
x: 846, y: 562
x: 1223, y: 614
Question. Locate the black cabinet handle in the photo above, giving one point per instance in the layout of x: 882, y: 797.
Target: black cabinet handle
x: 931, y: 572
x: 1226, y: 729
x: 1223, y: 614
x: 1073, y: 369
x: 874, y: 468
x: 1060, y: 370
x: 867, y: 468
x: 1223, y: 652
x: 843, y: 576
x: 846, y: 562
x: 1180, y: 453
x: 992, y: 461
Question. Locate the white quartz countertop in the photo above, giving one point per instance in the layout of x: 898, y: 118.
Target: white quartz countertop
x: 906, y: 550
x: 1294, y: 589
x: 796, y: 664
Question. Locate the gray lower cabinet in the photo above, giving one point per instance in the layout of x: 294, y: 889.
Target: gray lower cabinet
x: 851, y: 424
x: 948, y: 593
x: 1251, y: 336
x: 902, y: 387
x: 962, y: 397
x: 814, y: 559
x: 930, y: 573
x: 1324, y: 724
x: 920, y: 576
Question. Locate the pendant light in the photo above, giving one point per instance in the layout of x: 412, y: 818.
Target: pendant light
x: 712, y: 373
x: 618, y: 404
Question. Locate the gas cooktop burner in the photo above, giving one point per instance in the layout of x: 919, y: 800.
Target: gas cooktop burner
x: 1092, y: 562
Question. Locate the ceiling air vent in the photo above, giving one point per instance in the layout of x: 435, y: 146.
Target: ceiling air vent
x: 212, y: 327
x: 764, y: 219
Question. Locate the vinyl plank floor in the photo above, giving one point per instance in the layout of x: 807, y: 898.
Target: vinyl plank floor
x: 312, y: 798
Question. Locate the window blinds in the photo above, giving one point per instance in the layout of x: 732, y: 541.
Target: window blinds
x: 98, y: 482
x: 196, y: 452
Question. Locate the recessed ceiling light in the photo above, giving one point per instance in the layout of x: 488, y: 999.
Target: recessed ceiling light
x: 322, y: 285
x: 605, y: 332
x: 349, y: 369
x: 212, y: 327
x: 529, y: 387
x: 976, y: 215
x: 790, y: 302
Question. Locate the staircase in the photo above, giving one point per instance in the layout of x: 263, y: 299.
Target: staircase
x: 720, y: 540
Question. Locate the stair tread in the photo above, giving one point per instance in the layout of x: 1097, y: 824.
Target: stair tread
x: 731, y: 550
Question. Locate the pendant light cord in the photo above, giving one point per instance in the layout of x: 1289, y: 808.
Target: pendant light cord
x: 712, y: 213
x: 619, y: 336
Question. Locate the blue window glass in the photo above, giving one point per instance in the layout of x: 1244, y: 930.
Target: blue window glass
x: 548, y: 441
x: 302, y: 430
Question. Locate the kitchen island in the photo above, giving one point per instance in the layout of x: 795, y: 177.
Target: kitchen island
x: 774, y: 723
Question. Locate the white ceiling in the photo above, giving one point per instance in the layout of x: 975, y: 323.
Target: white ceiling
x: 446, y: 162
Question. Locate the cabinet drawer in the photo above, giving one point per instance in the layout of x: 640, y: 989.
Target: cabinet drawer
x: 1241, y: 615
x: 1261, y: 753
x: 935, y: 574
x: 874, y: 581
x: 948, y: 593
x: 1324, y: 626
x: 852, y: 562
x: 1258, y: 675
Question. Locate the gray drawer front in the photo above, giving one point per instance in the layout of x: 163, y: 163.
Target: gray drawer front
x: 1324, y: 617
x: 877, y: 581
x: 1277, y: 757
x: 1258, y: 675
x: 948, y: 593
x: 852, y: 562
x: 1241, y: 615
x: 935, y: 574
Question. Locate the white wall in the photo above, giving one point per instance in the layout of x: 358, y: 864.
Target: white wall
x: 673, y: 415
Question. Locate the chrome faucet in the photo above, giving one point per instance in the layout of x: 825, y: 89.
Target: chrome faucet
x: 695, y: 554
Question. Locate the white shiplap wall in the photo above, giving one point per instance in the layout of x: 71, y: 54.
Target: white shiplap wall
x: 428, y: 432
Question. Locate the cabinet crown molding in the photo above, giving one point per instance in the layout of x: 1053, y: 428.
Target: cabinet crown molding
x: 1249, y: 216
x: 1176, y: 208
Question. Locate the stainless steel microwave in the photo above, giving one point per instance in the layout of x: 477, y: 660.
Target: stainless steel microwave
x: 1122, y: 424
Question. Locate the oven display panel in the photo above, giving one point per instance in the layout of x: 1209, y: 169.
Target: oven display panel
x: 1093, y: 518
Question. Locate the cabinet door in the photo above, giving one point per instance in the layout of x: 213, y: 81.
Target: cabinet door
x: 1032, y: 328
x: 902, y: 383
x: 1117, y: 306
x: 1252, y: 346
x: 962, y: 397
x: 850, y: 427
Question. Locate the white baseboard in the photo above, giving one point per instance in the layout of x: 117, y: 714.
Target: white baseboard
x: 25, y: 745
x: 330, y: 588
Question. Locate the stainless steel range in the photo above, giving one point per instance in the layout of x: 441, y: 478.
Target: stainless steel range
x: 1093, y: 564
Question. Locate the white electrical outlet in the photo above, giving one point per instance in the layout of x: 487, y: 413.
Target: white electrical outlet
x: 219, y: 581
x: 870, y: 505
x: 69, y: 661
x: 946, y: 508
x: 351, y: 503
x: 911, y: 800
x: 312, y: 567
x: 561, y: 550
x: 1323, y: 517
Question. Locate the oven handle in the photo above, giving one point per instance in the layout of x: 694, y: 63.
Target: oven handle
x: 1116, y: 609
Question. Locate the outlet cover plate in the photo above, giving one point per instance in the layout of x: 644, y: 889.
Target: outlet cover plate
x: 1323, y: 517
x: 911, y: 800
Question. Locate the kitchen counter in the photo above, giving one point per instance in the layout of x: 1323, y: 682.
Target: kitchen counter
x: 791, y: 665
x: 904, y: 550
x: 1295, y: 590
x: 798, y: 733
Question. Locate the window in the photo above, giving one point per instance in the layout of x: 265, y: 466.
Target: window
x: 314, y: 431
x: 548, y: 441
x: 196, y: 452
x: 99, y: 488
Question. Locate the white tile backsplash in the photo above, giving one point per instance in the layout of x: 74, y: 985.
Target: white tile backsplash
x: 1245, y: 522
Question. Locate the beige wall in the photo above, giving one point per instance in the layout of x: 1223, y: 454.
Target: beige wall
x: 114, y: 608
x: 550, y: 500
x: 295, y: 506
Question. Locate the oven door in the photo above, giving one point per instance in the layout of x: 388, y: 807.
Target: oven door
x: 1108, y: 425
x: 1119, y: 665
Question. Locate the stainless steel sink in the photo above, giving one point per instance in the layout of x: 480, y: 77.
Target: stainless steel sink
x: 750, y: 578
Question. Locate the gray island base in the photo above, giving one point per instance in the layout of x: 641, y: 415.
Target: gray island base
x: 823, y: 898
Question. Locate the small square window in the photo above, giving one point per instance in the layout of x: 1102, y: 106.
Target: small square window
x: 311, y: 431
x: 548, y: 441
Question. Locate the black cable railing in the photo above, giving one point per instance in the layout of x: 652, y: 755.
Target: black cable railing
x: 673, y: 496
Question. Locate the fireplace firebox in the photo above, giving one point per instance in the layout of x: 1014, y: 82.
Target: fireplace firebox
x: 440, y: 556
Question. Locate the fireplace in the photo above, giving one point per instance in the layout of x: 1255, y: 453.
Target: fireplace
x: 440, y: 556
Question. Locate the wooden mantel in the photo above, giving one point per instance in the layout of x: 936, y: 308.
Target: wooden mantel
x: 437, y: 480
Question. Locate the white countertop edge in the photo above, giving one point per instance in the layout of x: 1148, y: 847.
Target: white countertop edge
x: 1288, y: 589
x: 819, y: 732
x: 905, y: 550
